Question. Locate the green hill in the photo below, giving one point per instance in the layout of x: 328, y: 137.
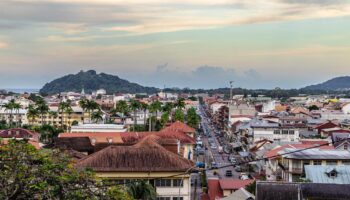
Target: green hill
x: 335, y: 84
x: 91, y: 81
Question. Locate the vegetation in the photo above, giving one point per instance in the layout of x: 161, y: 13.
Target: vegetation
x: 91, y: 81
x: 28, y: 173
x: 142, y: 190
x: 12, y: 106
x: 192, y: 118
x: 251, y: 187
x: 89, y: 106
x: 179, y: 115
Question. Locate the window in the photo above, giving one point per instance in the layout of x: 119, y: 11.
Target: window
x: 346, y: 146
x: 285, y: 132
x: 163, y: 198
x: 177, y: 183
x: 332, y: 162
x: 163, y: 183
x: 178, y: 198
x: 317, y: 162
x: 276, y: 132
x: 291, y: 132
x: 346, y: 162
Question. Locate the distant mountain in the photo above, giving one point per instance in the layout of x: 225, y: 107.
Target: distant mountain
x: 336, y: 84
x: 91, y: 81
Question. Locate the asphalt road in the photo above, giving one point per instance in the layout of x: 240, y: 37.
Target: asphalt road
x: 213, y: 154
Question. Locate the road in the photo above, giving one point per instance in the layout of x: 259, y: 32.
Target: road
x: 213, y: 154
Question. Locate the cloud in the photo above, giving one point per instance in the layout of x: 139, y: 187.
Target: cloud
x: 201, y: 77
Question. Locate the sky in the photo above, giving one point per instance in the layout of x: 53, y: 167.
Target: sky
x: 176, y: 43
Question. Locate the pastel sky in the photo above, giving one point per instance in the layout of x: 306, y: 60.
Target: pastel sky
x: 176, y: 43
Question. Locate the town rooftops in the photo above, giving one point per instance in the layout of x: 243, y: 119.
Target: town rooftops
x: 275, y: 152
x: 145, y: 156
x: 179, y: 126
x: 19, y: 133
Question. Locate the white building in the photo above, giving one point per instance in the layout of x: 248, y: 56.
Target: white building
x: 98, y: 128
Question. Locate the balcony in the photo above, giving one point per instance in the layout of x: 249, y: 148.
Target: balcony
x: 296, y: 170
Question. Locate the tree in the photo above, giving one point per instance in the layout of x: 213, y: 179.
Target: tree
x: 142, y: 190
x: 154, y: 108
x: 53, y: 115
x: 251, y: 187
x: 122, y: 108
x: 32, y: 113
x: 144, y: 107
x: 192, y: 118
x: 313, y: 107
x: 97, y: 116
x: 135, y: 106
x: 180, y: 103
x: 28, y: 173
x: 42, y: 108
x: 164, y: 119
x: 179, y: 115
x: 63, y: 107
x: 16, y: 107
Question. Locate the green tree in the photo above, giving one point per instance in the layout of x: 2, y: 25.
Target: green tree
x: 164, y: 119
x: 28, y: 173
x: 135, y: 106
x: 97, y: 116
x: 53, y: 115
x: 63, y: 107
x: 142, y: 190
x: 42, y: 108
x: 12, y: 106
x: 179, y: 115
x: 32, y: 113
x: 180, y: 103
x: 313, y: 107
x: 122, y: 108
x: 192, y: 118
x: 144, y: 107
x: 154, y: 108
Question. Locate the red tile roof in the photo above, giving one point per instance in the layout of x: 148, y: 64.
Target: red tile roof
x: 19, y: 133
x: 179, y: 126
x: 233, y: 184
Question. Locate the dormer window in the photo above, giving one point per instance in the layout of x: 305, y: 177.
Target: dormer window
x: 332, y: 174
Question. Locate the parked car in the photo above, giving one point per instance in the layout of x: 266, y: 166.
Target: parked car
x: 221, y: 150
x: 200, y: 151
x: 244, y: 176
x: 238, y: 169
x: 228, y: 173
x: 214, y: 165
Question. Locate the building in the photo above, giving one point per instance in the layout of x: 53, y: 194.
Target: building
x: 328, y: 174
x: 146, y: 160
x: 181, y: 127
x: 20, y: 134
x: 98, y: 128
x: 220, y: 188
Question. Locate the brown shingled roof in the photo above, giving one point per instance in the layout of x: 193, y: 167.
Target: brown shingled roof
x: 145, y: 156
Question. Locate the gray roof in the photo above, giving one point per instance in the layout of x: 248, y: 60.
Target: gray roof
x: 256, y: 123
x: 320, y: 174
x: 318, y: 154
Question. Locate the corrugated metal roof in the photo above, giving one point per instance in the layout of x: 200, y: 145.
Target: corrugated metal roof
x: 320, y: 174
x: 318, y: 154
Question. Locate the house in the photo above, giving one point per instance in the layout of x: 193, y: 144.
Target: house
x: 146, y: 160
x: 330, y: 131
x: 20, y: 134
x: 303, y: 191
x: 219, y: 188
x: 328, y: 174
x: 328, y: 124
x: 293, y: 164
x: 241, y: 112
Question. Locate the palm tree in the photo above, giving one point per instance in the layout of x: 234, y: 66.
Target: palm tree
x: 91, y: 106
x: 97, y: 116
x: 32, y: 113
x: 16, y: 107
x: 9, y: 107
x: 53, y: 115
x: 69, y: 111
x: 142, y: 190
x: 144, y: 107
x: 62, y: 108
x: 180, y: 104
x: 168, y: 108
x: 83, y: 105
x: 122, y: 107
x: 134, y: 106
x: 154, y: 108
x: 42, y: 108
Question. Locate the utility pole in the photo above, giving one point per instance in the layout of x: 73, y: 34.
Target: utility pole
x: 231, y: 87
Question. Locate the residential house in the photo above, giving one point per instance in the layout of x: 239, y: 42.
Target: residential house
x: 147, y: 160
x: 20, y: 134
x: 339, y: 174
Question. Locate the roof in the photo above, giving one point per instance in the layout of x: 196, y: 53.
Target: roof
x: 241, y: 194
x: 320, y: 174
x: 179, y: 126
x: 299, y: 110
x: 96, y: 137
x: 19, y: 133
x: 145, y: 156
x: 318, y: 154
x: 275, y: 152
x: 233, y: 184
